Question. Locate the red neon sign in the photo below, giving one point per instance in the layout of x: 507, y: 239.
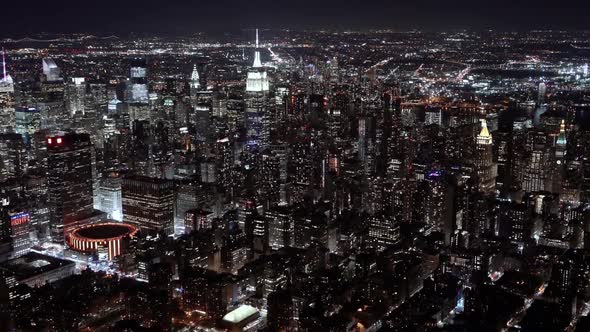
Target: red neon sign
x: 20, y: 219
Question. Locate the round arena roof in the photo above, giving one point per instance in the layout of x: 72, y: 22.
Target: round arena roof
x: 103, y: 231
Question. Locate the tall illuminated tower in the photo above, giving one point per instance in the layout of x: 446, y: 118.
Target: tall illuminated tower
x: 486, y: 169
x: 257, y: 103
x: 195, y: 83
x: 7, y: 100
x: 69, y: 180
x: 257, y: 77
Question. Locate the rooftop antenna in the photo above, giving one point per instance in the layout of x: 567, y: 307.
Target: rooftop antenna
x: 257, y: 63
x: 3, y: 64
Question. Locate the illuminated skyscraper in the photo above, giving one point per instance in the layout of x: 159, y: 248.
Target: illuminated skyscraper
x: 109, y: 198
x: 195, y: 83
x: 20, y: 233
x: 75, y: 95
x: 6, y: 99
x: 51, y: 71
x: 383, y: 231
x: 535, y: 174
x: 257, y: 103
x: 487, y: 170
x: 27, y: 122
x: 257, y: 77
x: 12, y: 155
x: 6, y: 82
x: 69, y: 177
x: 148, y: 203
x: 280, y: 227
x: 137, y: 91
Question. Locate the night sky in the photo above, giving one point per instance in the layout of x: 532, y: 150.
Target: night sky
x: 26, y: 17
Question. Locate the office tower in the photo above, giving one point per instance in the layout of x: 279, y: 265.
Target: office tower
x: 148, y: 203
x: 257, y: 230
x: 559, y: 162
x: 311, y: 229
x: 75, y: 95
x: 537, y: 162
x: 256, y: 114
x: 20, y: 232
x: 69, y: 179
x: 269, y: 177
x: 280, y: 227
x: 565, y: 277
x: 197, y: 219
x: 137, y: 91
x: 51, y: 106
x: 189, y: 196
x: 50, y: 70
x: 224, y: 156
x: 513, y: 221
x: 28, y: 122
x: 433, y: 116
x: 201, y: 119
x: 109, y: 198
x: 12, y: 156
x: 438, y: 209
x: 6, y: 99
x: 487, y: 170
x: 204, y: 291
x: 137, y: 84
x: 195, y: 82
x: 383, y: 231
x: 208, y: 171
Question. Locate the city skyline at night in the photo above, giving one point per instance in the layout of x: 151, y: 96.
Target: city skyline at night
x: 307, y: 166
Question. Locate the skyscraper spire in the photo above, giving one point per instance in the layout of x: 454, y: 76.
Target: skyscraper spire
x: 561, y: 139
x: 3, y: 65
x: 6, y: 82
x: 484, y: 136
x: 257, y: 63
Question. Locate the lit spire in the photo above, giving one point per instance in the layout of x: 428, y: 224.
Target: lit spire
x: 484, y: 136
x: 257, y: 63
x: 3, y: 65
x: 484, y: 129
x: 195, y: 78
x: 561, y: 140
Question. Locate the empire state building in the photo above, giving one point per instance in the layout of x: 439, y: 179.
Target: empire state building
x: 257, y: 78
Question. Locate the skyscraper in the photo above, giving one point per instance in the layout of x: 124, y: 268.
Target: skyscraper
x: 487, y: 170
x: 383, y: 231
x: 195, y: 83
x: 257, y: 78
x: 6, y: 99
x: 69, y: 177
x: 138, y: 91
x: 75, y: 95
x: 6, y: 82
x: 148, y: 203
x: 51, y: 71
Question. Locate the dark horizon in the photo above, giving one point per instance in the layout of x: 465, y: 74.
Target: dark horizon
x: 180, y: 17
